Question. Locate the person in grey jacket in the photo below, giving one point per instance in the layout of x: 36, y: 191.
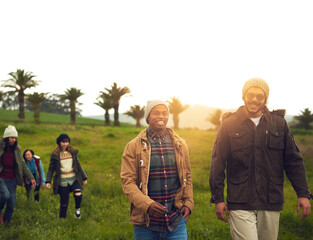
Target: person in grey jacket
x: 12, y: 169
x: 256, y: 147
x: 69, y: 175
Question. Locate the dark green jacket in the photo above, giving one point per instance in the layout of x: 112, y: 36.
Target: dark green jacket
x: 55, y: 167
x: 20, y: 168
x: 255, y: 159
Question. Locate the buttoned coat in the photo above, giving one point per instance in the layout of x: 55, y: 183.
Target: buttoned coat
x: 255, y: 159
x: 135, y: 175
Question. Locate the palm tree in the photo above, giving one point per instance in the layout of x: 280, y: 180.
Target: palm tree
x: 72, y: 94
x: 137, y: 113
x: 20, y: 81
x: 176, y: 108
x: 116, y: 93
x: 105, y: 102
x: 1, y: 96
x: 215, y: 118
x: 305, y: 119
x: 36, y: 99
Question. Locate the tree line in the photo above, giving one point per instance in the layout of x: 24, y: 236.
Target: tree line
x: 67, y: 103
x: 302, y: 121
x: 108, y: 99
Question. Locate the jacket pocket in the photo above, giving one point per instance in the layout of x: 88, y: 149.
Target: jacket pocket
x: 136, y: 215
x: 276, y: 190
x: 237, y: 140
x: 237, y: 190
x: 240, y: 160
x: 179, y: 201
x: 276, y: 139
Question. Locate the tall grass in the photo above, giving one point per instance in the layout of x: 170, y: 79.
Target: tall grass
x: 105, y: 209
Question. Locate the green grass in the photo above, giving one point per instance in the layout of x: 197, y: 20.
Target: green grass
x: 105, y: 209
x: 12, y: 116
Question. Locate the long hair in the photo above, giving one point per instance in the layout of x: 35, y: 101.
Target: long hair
x: 7, y: 145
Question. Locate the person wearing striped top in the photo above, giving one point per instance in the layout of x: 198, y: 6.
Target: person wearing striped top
x: 69, y: 175
x: 156, y: 177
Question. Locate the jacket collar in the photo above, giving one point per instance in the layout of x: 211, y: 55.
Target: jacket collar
x: 176, y: 139
x: 69, y: 149
x: 243, y: 116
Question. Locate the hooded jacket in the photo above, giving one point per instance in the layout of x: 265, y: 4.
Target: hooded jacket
x: 20, y: 168
x: 255, y: 159
x: 55, y: 166
x: 135, y: 175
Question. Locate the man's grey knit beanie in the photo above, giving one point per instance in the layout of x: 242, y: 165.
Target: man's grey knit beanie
x: 151, y: 104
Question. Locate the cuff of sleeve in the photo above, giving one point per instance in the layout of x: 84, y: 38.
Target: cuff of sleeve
x: 306, y: 194
x: 215, y: 199
x: 147, y: 205
x: 189, y: 205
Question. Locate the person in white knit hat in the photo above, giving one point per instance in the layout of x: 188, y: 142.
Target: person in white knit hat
x: 255, y: 146
x: 12, y: 169
x: 156, y: 177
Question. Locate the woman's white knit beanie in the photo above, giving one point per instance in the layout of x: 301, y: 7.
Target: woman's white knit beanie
x: 10, y: 131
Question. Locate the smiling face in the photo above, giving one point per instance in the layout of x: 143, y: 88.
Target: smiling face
x: 254, y: 102
x: 64, y: 144
x: 158, y: 118
x: 29, y: 156
x: 12, y: 140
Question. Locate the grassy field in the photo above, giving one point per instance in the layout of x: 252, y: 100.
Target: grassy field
x: 105, y: 209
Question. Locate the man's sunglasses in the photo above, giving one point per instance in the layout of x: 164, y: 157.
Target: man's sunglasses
x: 260, y: 97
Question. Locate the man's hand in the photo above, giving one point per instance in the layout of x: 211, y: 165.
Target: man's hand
x: 306, y: 207
x: 186, y: 212
x: 219, y: 209
x: 157, y: 210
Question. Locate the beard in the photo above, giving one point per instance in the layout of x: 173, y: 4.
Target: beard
x: 254, y: 107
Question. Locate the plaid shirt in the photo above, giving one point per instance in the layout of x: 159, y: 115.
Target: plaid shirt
x: 163, y: 180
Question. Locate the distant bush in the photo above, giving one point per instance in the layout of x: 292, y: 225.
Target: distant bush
x: 301, y: 131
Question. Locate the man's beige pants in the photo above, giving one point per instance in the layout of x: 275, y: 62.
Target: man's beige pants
x: 254, y: 225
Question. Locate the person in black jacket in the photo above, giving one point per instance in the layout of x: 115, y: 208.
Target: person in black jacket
x: 69, y: 176
x: 255, y: 146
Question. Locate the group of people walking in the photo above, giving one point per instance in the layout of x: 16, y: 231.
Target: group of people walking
x: 16, y: 169
x: 253, y: 149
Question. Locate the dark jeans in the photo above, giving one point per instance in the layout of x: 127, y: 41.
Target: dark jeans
x: 28, y: 188
x: 64, y: 197
x: 8, y: 197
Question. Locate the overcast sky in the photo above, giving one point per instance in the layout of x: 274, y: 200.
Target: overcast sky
x: 199, y: 51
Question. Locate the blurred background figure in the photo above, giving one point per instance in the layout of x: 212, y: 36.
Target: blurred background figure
x: 35, y: 167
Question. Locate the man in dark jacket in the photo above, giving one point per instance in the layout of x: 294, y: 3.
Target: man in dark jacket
x: 255, y: 146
